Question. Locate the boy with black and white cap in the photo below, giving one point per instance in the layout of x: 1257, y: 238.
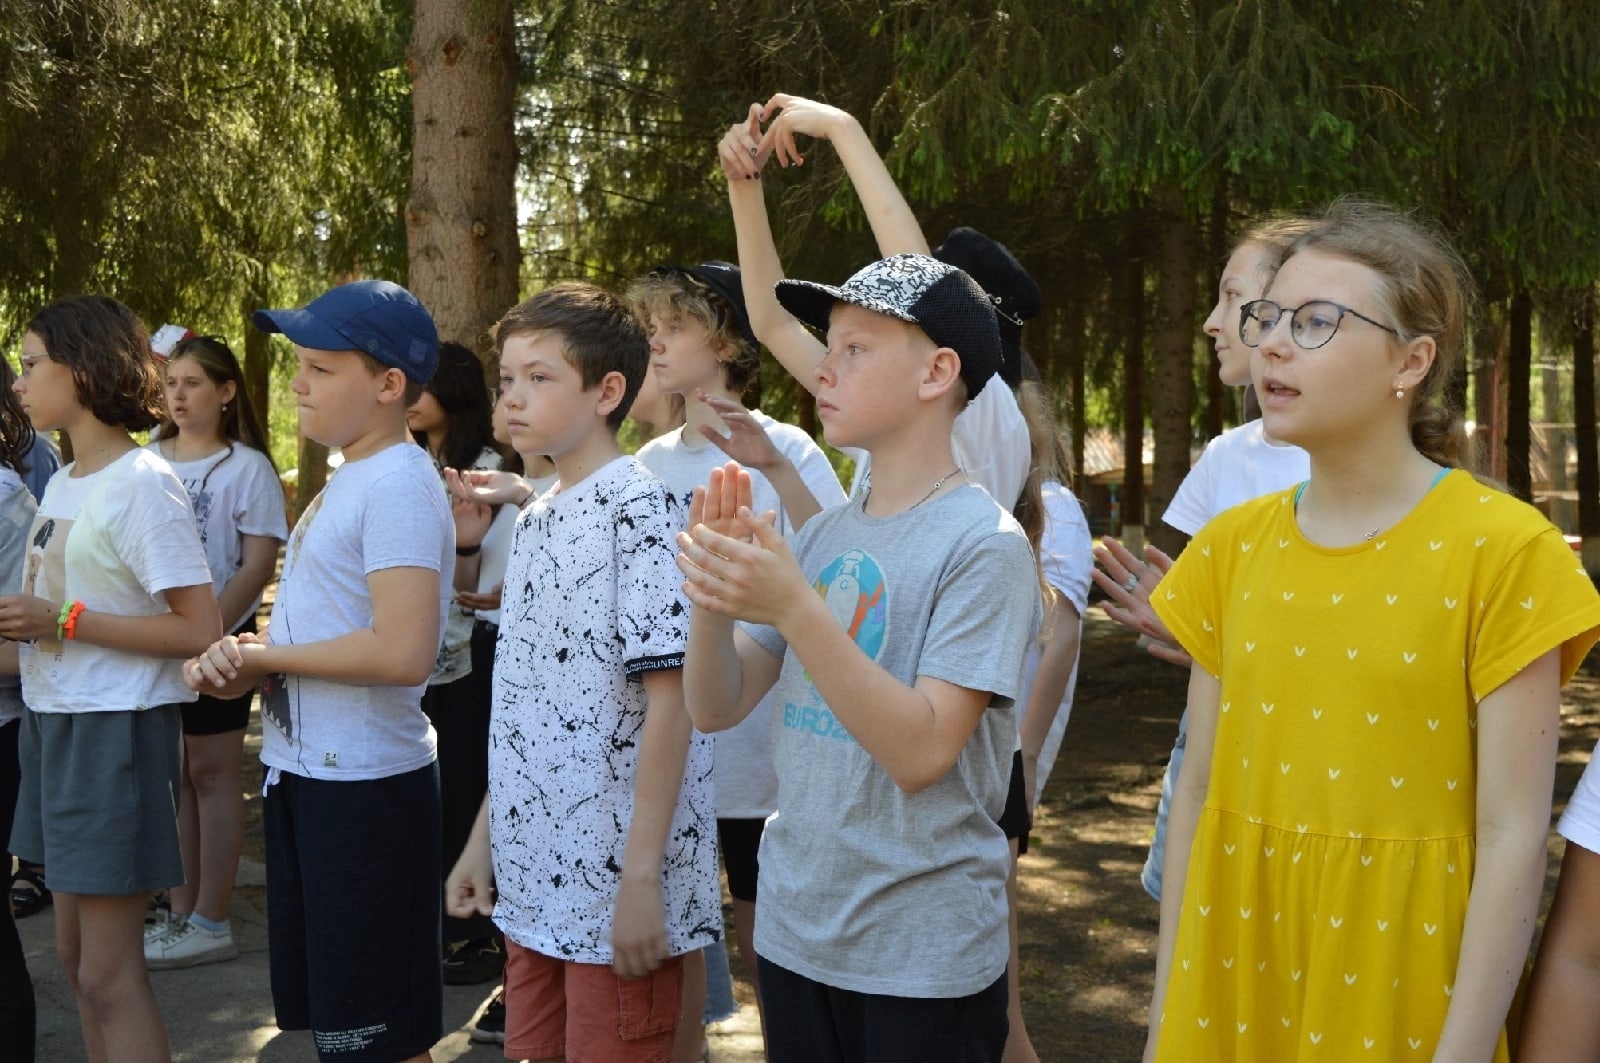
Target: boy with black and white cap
x: 351, y: 808
x: 891, y: 631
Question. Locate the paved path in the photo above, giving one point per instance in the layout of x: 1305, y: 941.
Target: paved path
x: 222, y: 1013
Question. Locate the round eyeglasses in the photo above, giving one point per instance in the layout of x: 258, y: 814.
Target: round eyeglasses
x: 1311, y: 325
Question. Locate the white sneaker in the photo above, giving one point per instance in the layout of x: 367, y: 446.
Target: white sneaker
x: 163, y: 925
x: 187, y: 944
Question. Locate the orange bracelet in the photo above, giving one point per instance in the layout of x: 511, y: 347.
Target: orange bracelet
x: 70, y: 628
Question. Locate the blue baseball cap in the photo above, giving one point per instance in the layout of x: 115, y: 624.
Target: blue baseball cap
x: 377, y: 317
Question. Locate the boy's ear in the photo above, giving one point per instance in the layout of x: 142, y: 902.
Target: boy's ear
x: 392, y: 387
x: 610, y: 390
x: 941, y: 371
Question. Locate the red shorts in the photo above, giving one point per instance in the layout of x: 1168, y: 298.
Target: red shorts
x: 585, y: 1013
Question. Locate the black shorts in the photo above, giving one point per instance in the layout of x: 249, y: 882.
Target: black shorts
x: 353, y: 913
x: 808, y: 1022
x: 207, y: 715
x: 740, y: 840
x: 1016, y: 820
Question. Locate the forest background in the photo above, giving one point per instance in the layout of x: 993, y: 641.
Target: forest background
x: 201, y: 158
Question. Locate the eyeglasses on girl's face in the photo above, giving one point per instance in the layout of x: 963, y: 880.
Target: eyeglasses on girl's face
x: 1311, y: 325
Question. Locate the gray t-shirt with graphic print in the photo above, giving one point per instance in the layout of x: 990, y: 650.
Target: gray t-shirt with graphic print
x: 863, y: 886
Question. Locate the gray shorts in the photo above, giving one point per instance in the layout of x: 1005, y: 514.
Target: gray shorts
x: 98, y: 805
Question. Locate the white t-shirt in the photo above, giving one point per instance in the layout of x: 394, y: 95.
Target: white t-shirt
x: 17, y: 510
x: 989, y: 440
x: 383, y: 511
x: 747, y: 784
x: 1580, y: 823
x: 116, y: 540
x: 1237, y: 466
x: 497, y: 545
x: 1066, y: 553
x: 592, y: 603
x: 233, y: 493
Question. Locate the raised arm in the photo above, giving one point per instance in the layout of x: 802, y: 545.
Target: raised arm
x: 790, y: 342
x: 894, y: 227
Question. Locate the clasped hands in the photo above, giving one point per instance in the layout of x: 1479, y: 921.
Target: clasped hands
x: 734, y: 561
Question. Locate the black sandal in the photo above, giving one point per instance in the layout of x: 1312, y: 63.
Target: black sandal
x: 29, y: 894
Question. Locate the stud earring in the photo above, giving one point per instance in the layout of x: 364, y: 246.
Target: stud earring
x: 224, y: 407
x: 1399, y: 393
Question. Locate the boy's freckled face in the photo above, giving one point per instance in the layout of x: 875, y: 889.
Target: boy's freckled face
x: 547, y: 409
x: 681, y: 354
x: 46, y: 388
x: 867, y: 381
x: 336, y: 394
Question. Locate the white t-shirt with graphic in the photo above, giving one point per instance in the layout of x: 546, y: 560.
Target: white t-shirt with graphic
x: 381, y: 512
x: 747, y: 785
x: 1066, y: 554
x: 116, y: 540
x: 1239, y: 465
x: 591, y: 604
x: 234, y: 492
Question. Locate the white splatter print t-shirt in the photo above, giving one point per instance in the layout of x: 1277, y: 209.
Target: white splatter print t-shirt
x: 591, y: 603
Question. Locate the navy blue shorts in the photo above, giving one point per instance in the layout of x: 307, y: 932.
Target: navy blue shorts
x: 353, y: 913
x: 809, y: 1022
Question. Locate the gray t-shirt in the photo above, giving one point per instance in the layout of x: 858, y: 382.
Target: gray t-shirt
x: 863, y: 886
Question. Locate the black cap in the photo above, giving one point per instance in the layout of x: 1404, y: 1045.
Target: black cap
x: 938, y: 298
x: 723, y: 280
x: 1016, y: 295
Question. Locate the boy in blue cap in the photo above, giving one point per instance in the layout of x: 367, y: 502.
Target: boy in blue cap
x: 352, y: 794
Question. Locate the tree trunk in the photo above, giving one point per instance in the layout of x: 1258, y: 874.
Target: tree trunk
x: 1519, y: 370
x: 1217, y: 393
x: 1173, y: 370
x: 257, y: 367
x: 1073, y: 343
x: 1487, y: 353
x: 313, y: 473
x: 1555, y: 448
x: 1583, y: 416
x: 461, y: 221
x: 1132, y: 298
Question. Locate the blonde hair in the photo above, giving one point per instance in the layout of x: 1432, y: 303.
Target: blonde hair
x: 1424, y: 285
x: 671, y: 295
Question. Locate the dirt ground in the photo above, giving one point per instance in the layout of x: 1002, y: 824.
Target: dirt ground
x: 1088, y: 929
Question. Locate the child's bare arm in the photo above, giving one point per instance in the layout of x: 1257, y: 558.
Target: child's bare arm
x: 1561, y: 1020
x: 725, y: 673
x: 1518, y: 732
x: 399, y: 648
x: 760, y: 269
x: 193, y: 623
x: 914, y: 732
x: 893, y: 225
x: 748, y: 444
x: 639, y: 925
x: 259, y: 559
x: 1058, y: 653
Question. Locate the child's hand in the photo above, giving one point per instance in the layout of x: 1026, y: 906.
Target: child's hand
x: 25, y: 617
x: 741, y: 152
x: 717, y: 504
x: 488, y: 601
x: 757, y: 581
x: 746, y: 442
x: 470, y: 888
x: 472, y: 519
x: 490, y: 487
x: 230, y: 667
x: 1127, y: 585
x: 638, y: 929
x: 795, y: 114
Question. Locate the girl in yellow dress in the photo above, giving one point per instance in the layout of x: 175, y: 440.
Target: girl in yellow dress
x: 1357, y: 841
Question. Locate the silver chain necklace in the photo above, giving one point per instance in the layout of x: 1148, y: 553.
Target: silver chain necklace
x: 937, y: 484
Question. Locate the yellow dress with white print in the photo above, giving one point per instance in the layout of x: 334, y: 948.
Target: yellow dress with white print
x: 1331, y: 868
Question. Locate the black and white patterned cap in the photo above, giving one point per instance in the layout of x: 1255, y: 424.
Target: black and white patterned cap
x: 938, y: 298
